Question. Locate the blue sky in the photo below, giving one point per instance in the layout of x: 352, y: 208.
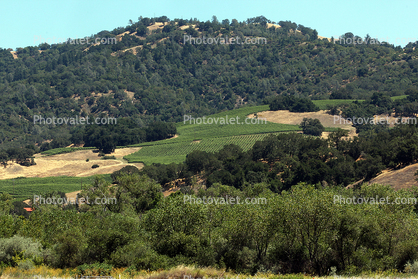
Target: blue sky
x: 24, y: 21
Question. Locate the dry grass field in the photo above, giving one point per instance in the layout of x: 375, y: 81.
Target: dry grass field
x: 70, y: 164
x: 295, y: 118
x: 399, y: 179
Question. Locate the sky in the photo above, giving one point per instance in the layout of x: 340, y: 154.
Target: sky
x: 32, y: 22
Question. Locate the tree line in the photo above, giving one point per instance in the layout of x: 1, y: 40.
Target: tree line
x: 126, y: 132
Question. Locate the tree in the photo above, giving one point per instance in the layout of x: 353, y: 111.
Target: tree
x: 412, y: 94
x: 4, y: 157
x: 137, y: 194
x: 125, y: 170
x: 312, y: 127
x: 106, y: 144
x: 5, y: 203
x: 336, y: 137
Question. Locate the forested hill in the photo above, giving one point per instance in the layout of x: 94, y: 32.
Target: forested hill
x: 161, y: 77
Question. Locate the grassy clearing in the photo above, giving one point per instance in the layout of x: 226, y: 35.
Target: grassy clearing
x: 22, y: 188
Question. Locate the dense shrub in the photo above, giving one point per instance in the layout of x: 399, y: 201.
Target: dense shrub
x: 17, y: 249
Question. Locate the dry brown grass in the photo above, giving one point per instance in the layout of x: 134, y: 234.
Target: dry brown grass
x: 184, y: 27
x: 183, y: 271
x: 271, y: 25
x: 70, y: 164
x: 179, y: 272
x: 119, y: 37
x: 130, y: 94
x: 399, y: 179
x: 295, y: 118
x: 156, y: 25
x: 14, y: 54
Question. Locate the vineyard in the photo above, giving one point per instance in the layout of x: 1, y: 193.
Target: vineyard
x: 23, y: 188
x: 193, y: 135
x: 212, y: 137
x: 176, y: 152
x: 62, y: 150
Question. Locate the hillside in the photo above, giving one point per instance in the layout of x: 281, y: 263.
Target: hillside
x: 151, y: 73
x: 399, y: 179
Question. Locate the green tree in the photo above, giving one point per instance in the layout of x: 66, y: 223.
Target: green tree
x: 312, y: 127
x: 137, y: 193
x: 336, y: 137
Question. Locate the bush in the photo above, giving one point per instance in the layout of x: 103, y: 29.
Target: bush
x: 411, y: 268
x: 109, y: 158
x: 95, y: 166
x: 87, y: 159
x: 139, y: 255
x: 26, y: 265
x: 17, y: 249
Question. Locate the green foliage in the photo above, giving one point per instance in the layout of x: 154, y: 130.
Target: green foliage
x: 307, y: 229
x: 5, y: 203
x: 285, y: 159
x: 139, y: 256
x: 160, y: 84
x: 311, y: 127
x: 411, y: 267
x: 292, y: 104
x: 300, y: 230
x: 26, y: 265
x: 177, y: 152
x: 125, y: 170
x: 209, y: 138
x: 94, y: 166
x: 18, y: 250
x: 124, y: 132
x: 137, y: 193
